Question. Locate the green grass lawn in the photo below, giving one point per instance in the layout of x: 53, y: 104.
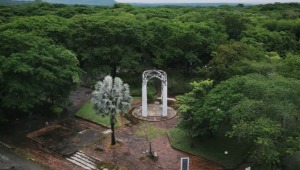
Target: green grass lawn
x: 211, y: 148
x: 136, y: 97
x: 87, y: 112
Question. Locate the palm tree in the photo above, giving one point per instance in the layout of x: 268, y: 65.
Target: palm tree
x: 109, y: 98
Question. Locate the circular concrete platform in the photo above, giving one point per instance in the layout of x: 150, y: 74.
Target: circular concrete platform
x: 154, y: 113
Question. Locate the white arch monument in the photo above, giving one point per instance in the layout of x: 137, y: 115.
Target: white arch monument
x: 147, y: 75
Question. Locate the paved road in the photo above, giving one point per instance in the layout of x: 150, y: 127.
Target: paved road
x: 10, y: 160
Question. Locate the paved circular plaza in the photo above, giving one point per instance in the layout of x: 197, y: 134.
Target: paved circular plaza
x: 154, y: 113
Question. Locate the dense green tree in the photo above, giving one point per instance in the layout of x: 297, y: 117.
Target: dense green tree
x: 35, y: 71
x: 235, y: 24
x: 235, y: 59
x: 70, y: 11
x: 111, y: 97
x: 291, y: 14
x: 256, y: 108
x: 6, y: 12
x: 160, y: 12
x: 280, y: 42
x: 291, y: 66
x: 188, y: 108
x: 49, y: 26
x: 159, y: 34
x: 36, y: 9
x: 292, y: 26
x: 106, y: 41
x: 186, y: 45
x: 200, y: 40
x: 192, y: 16
x: 276, y: 6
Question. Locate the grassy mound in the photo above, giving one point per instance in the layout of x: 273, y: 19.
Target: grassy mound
x: 87, y: 112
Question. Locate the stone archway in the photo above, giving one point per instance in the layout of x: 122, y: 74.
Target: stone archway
x: 147, y: 75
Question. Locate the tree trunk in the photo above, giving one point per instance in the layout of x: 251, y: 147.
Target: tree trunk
x: 150, y: 148
x: 113, y: 139
x: 112, y: 126
x: 114, y: 71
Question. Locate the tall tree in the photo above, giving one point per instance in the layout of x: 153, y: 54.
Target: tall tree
x: 280, y: 42
x: 106, y: 40
x: 235, y: 24
x: 35, y: 71
x: 188, y: 106
x: 50, y: 26
x: 260, y: 109
x: 200, y: 40
x: 235, y: 58
x: 110, y: 97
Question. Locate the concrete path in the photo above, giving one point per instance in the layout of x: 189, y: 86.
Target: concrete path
x: 11, y: 160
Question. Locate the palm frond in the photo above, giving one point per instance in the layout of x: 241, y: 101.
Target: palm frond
x: 111, y: 96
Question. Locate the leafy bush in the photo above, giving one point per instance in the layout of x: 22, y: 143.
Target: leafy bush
x: 57, y: 110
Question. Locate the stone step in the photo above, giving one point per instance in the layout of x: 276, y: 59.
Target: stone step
x: 83, y: 160
x: 78, y: 164
x: 91, y: 156
x: 78, y: 154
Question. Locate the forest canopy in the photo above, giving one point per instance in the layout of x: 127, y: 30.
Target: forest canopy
x: 243, y: 62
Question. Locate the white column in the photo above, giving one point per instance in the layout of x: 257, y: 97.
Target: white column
x: 144, y: 99
x: 165, y: 100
